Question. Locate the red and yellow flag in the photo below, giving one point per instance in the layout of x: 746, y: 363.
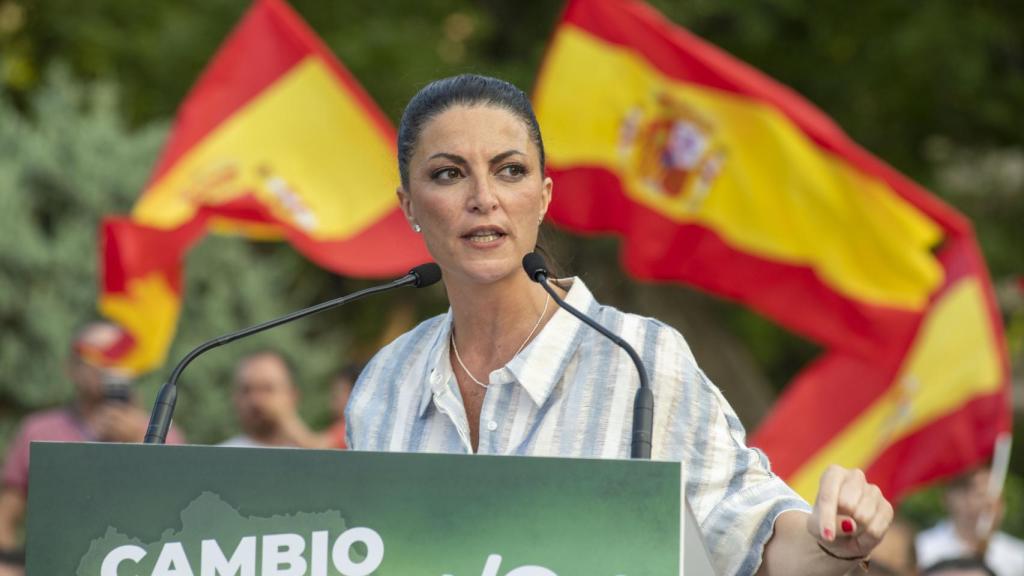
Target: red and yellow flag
x: 924, y: 409
x: 718, y: 176
x: 275, y: 141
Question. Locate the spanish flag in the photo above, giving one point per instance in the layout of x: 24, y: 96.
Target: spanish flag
x: 715, y: 175
x: 276, y: 141
x: 921, y: 410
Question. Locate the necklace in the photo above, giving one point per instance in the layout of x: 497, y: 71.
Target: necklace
x: 458, y: 358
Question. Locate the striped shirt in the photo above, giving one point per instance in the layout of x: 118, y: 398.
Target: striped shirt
x: 569, y: 393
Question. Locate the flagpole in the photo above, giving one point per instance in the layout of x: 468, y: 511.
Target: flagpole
x: 986, y: 525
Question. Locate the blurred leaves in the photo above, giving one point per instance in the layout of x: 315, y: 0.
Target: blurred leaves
x: 67, y: 162
x: 56, y: 180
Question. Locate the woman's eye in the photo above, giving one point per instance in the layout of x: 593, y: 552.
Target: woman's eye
x: 513, y: 171
x: 446, y: 174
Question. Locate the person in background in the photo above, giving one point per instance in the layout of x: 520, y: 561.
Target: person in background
x: 959, y: 567
x: 104, y: 410
x: 894, y: 555
x: 967, y: 499
x: 266, y: 401
x: 341, y: 388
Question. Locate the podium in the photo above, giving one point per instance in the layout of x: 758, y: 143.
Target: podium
x: 134, y: 510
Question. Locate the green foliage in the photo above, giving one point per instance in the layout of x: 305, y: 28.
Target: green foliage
x: 63, y: 166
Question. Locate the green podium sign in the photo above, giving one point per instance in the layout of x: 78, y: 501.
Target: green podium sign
x: 134, y: 510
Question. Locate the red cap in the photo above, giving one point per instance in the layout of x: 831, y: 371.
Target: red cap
x: 103, y: 344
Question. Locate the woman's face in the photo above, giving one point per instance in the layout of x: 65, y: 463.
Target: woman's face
x: 477, y: 191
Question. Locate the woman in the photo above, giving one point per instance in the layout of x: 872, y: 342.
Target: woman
x: 507, y: 372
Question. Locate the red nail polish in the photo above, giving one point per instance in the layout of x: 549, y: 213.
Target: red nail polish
x: 828, y: 534
x: 847, y: 525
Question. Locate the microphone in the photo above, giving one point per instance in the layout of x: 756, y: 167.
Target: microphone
x: 643, y: 404
x: 163, y: 409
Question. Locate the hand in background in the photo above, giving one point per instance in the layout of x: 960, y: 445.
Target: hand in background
x: 119, y: 422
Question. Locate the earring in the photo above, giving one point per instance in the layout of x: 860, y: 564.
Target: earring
x: 416, y: 228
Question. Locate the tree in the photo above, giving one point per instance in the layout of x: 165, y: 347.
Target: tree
x: 55, y: 182
x: 64, y: 165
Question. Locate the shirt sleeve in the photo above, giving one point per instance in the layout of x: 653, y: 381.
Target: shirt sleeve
x: 360, y: 402
x: 15, y: 474
x: 370, y: 412
x: 730, y: 486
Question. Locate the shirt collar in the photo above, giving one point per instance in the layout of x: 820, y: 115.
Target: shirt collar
x: 538, y: 368
x: 439, y: 369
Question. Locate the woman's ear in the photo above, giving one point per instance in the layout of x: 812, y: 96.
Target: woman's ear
x: 406, y: 204
x: 549, y: 186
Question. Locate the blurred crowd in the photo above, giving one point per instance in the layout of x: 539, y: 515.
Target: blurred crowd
x: 967, y: 542
x: 106, y: 409
x: 266, y: 402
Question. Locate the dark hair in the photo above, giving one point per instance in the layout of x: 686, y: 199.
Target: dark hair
x: 957, y: 564
x: 461, y: 90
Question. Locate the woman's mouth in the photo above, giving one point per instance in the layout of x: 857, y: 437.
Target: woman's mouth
x: 489, y: 237
x: 484, y: 235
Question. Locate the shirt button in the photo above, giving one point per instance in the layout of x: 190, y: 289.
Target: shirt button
x: 492, y: 425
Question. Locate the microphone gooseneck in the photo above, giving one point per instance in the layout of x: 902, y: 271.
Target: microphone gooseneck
x: 163, y: 409
x: 643, y: 404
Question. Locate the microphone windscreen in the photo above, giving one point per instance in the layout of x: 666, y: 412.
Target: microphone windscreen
x: 535, y: 265
x: 426, y: 274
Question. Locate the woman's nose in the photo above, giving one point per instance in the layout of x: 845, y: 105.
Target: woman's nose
x: 482, y: 196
